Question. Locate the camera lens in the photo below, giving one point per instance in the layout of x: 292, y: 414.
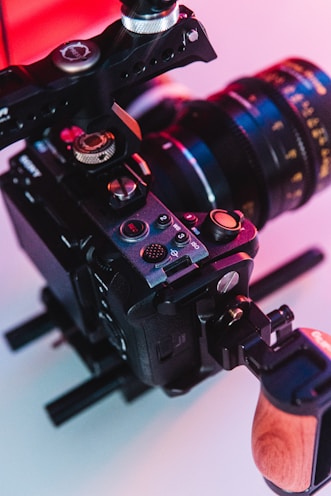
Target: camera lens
x: 262, y: 145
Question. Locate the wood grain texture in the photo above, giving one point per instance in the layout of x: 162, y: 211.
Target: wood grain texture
x: 283, y: 446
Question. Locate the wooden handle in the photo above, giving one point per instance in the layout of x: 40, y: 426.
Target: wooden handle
x: 283, y: 446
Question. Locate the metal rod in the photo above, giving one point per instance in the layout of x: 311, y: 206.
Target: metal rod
x: 85, y: 395
x: 29, y: 331
x: 285, y: 273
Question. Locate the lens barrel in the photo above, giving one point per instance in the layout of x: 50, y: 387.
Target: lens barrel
x: 262, y: 145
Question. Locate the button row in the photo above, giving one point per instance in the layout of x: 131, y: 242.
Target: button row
x: 135, y: 230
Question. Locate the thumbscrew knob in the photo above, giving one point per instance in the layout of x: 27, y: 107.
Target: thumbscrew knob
x: 122, y: 188
x: 94, y: 148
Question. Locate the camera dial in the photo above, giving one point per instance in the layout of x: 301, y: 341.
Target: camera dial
x: 94, y: 148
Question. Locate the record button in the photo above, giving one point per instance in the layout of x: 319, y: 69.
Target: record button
x: 133, y: 229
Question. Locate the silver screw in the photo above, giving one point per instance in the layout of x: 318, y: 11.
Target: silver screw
x: 122, y: 188
x: 192, y: 35
x: 228, y: 282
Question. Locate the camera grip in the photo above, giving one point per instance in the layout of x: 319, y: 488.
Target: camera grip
x: 292, y: 425
x: 283, y: 446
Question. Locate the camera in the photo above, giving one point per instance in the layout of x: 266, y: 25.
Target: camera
x: 146, y: 241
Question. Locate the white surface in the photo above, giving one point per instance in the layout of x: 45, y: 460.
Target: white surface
x: 200, y: 443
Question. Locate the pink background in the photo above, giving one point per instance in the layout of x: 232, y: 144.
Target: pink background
x: 199, y: 443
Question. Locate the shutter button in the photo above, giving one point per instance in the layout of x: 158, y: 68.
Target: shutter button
x: 223, y: 225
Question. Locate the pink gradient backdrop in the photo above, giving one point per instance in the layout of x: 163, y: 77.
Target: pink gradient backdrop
x: 200, y: 443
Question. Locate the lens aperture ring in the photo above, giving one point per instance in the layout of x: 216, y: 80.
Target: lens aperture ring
x: 304, y: 91
x: 282, y: 159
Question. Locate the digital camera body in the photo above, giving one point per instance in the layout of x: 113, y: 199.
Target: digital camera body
x: 127, y: 270
x: 156, y: 295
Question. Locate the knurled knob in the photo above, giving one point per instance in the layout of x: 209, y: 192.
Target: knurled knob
x: 94, y: 148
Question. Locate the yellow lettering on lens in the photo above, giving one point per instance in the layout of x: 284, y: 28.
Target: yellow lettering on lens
x: 317, y: 132
x: 274, y: 78
x: 280, y: 80
x: 313, y: 122
x: 294, y: 65
x: 297, y: 98
x: 268, y: 77
x: 293, y: 195
x: 289, y: 89
x: 307, y: 110
x: 320, y: 89
x: 297, y: 178
x: 318, y: 86
x: 277, y: 126
x: 320, y: 135
x: 324, y: 169
x: 291, y: 154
